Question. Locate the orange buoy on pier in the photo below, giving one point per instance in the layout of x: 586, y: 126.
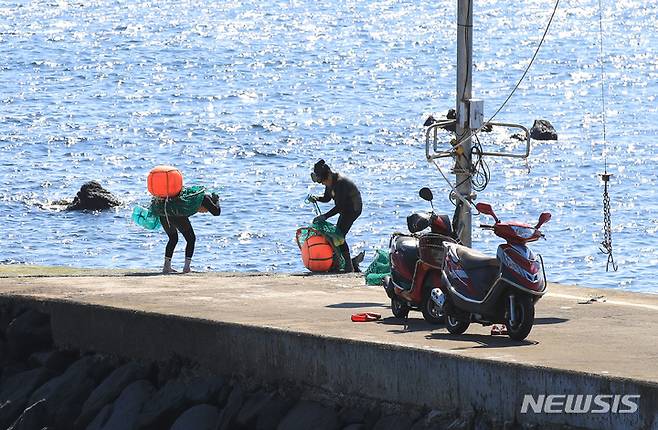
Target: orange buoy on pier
x: 317, y: 254
x: 165, y: 181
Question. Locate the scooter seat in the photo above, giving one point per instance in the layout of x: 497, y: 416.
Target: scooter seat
x: 407, y: 246
x: 404, y: 255
x: 472, y: 259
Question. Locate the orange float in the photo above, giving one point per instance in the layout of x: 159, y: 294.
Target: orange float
x: 165, y: 181
x: 317, y: 254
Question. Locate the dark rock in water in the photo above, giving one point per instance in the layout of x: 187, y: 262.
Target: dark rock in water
x: 16, y: 390
x: 231, y: 409
x: 92, y: 196
x: 125, y: 410
x: 200, y: 417
x: 66, y: 393
x: 310, y: 415
x: 393, y: 422
x: 543, y: 130
x: 28, y: 333
x: 518, y: 136
x: 109, y: 390
x: 33, y: 418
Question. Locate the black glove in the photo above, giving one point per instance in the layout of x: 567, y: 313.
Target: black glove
x: 319, y: 218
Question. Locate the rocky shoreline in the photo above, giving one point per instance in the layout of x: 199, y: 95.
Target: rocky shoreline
x: 42, y: 387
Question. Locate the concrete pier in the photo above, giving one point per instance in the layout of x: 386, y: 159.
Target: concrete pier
x: 298, y: 328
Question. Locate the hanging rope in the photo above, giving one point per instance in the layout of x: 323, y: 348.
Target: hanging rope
x: 606, y: 245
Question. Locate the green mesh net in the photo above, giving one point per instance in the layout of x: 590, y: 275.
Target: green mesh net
x: 330, y: 232
x: 187, y: 203
x: 145, y: 218
x: 378, y: 269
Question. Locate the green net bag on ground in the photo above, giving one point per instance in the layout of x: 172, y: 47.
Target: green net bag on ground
x: 331, y: 233
x: 378, y: 269
x: 187, y: 203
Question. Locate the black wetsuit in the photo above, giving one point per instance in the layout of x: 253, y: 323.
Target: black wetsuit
x: 173, y: 224
x: 348, y: 205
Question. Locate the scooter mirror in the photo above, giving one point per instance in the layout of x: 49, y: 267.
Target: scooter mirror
x: 543, y: 218
x: 485, y: 208
x: 426, y: 194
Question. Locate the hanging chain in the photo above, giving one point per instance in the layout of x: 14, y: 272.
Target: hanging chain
x: 607, y: 226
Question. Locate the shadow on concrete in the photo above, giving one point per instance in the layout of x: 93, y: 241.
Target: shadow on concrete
x: 151, y: 274
x: 481, y: 341
x: 550, y: 320
x: 408, y: 325
x: 355, y: 305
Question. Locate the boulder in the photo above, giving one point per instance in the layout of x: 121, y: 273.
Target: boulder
x: 543, y: 130
x: 393, y: 422
x: 92, y: 196
x: 16, y: 390
x: 249, y: 411
x: 433, y: 420
x: 125, y: 410
x: 101, y: 418
x: 310, y: 415
x: 27, y: 333
x: 54, y: 360
x: 231, y: 409
x: 66, y: 393
x: 109, y: 390
x: 176, y: 396
x: 34, y: 417
x: 199, y: 417
x: 271, y: 414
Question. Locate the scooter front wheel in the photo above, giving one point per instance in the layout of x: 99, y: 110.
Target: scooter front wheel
x: 524, y: 313
x: 400, y: 309
x: 456, y: 326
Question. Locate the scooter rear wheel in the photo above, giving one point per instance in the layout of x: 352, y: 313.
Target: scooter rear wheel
x: 400, y: 309
x: 524, y: 310
x: 432, y: 312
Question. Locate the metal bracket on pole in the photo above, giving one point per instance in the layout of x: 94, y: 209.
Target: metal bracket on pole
x: 432, y: 141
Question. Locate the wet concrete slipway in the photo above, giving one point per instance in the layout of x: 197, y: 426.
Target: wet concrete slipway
x: 297, y: 329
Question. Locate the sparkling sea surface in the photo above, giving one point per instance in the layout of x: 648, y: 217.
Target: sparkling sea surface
x: 243, y: 97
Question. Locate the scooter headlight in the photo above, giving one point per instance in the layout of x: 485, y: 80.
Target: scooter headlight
x: 523, y: 232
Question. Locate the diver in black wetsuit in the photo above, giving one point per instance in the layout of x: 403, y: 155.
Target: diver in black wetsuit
x: 347, y: 199
x: 173, y: 224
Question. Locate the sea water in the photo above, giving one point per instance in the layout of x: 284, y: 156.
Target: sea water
x: 243, y: 97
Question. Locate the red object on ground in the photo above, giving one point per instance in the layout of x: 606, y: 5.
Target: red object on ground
x: 499, y: 331
x: 317, y: 254
x: 365, y: 317
x: 165, y: 181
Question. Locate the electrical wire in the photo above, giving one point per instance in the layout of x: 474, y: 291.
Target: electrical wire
x: 525, y: 72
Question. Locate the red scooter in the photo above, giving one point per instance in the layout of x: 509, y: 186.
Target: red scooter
x: 493, y: 290
x: 416, y: 261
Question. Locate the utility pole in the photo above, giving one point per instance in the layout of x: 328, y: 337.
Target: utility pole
x: 463, y: 160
